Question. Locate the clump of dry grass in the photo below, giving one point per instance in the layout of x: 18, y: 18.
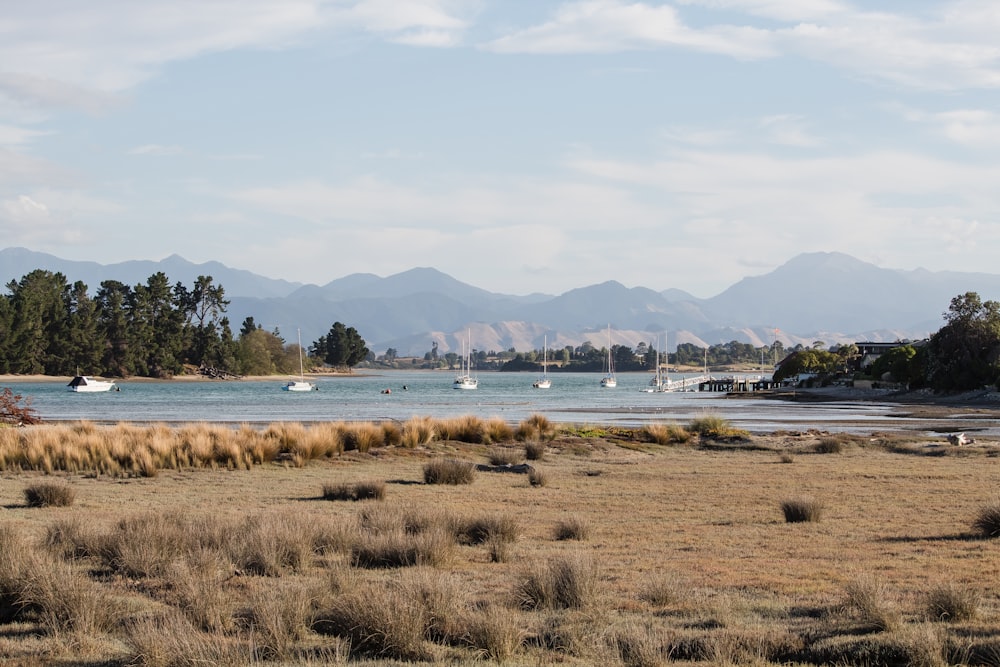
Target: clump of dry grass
x: 495, y: 633
x: 498, y: 430
x: 666, y: 434
x: 449, y: 471
x: 536, y: 427
x: 363, y: 437
x: 716, y: 427
x: 354, y: 491
x: 379, y: 622
x: 868, y: 597
x: 478, y: 530
x: 561, y: 583
x: 664, y: 591
x: 504, y: 456
x: 987, y: 521
x: 402, y: 549
x: 534, y: 451
x: 49, y: 494
x: 537, y: 477
x: 831, y: 445
x: 948, y: 602
x: 800, y: 510
x: 418, y: 432
x: 638, y: 644
x: 572, y: 528
x: 470, y: 429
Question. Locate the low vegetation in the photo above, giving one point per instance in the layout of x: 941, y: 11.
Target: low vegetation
x: 800, y: 510
x: 636, y: 553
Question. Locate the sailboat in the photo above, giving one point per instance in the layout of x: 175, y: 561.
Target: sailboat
x: 544, y: 382
x: 656, y: 383
x: 464, y: 380
x: 300, y: 384
x: 609, y: 381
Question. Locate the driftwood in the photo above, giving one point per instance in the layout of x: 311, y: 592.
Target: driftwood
x: 218, y: 373
x: 520, y: 468
x: 960, y: 439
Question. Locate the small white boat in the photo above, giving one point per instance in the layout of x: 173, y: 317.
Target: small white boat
x: 87, y: 384
x: 609, y: 381
x: 544, y: 382
x: 464, y: 380
x: 300, y: 384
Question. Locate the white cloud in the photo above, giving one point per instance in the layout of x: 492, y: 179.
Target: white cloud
x: 18, y: 136
x: 607, y: 26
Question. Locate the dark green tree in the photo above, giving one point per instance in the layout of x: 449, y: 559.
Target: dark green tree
x: 964, y: 354
x: 156, y: 328
x: 39, y: 303
x: 84, y: 343
x: 113, y: 325
x: 341, y: 347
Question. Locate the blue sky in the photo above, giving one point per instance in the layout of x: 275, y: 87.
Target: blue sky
x: 519, y: 145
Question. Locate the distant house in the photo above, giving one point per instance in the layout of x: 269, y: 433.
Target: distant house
x: 869, y: 351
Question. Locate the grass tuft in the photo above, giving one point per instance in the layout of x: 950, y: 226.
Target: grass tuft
x: 49, y: 494
x: 801, y: 510
x: 987, y: 521
x: 571, y: 529
x: 449, y: 471
x: 561, y: 583
x: 355, y: 491
x: 952, y: 603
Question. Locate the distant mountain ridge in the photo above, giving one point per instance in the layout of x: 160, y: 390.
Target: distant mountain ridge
x: 831, y: 297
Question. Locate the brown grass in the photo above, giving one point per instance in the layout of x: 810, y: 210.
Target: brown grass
x: 49, y: 494
x: 219, y: 559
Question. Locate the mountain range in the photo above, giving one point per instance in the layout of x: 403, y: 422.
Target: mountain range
x: 829, y: 297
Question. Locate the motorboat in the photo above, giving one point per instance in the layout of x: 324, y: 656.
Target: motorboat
x: 87, y: 384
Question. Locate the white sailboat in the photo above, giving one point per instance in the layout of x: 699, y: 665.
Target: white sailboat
x: 464, y: 379
x: 300, y: 384
x: 609, y: 380
x: 544, y: 382
x: 656, y: 383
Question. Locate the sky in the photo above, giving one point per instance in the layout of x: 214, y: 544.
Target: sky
x: 519, y: 146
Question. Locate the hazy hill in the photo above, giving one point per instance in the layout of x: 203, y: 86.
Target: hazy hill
x: 830, y: 297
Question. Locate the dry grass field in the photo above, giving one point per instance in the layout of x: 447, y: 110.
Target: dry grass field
x: 666, y: 545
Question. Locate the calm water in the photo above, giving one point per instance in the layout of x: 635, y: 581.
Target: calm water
x: 573, y: 398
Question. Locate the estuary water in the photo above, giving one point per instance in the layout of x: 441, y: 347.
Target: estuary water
x: 574, y: 398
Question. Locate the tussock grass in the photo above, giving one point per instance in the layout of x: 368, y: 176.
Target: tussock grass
x: 536, y: 427
x: 801, y: 510
x: 418, y: 432
x: 449, y: 471
x: 716, y: 427
x: 561, y: 583
x: 869, y: 599
x: 952, y: 603
x: 470, y: 429
x: 572, y: 528
x: 830, y: 445
x: 666, y: 434
x: 538, y: 477
x: 49, y: 494
x: 665, y: 591
x: 379, y: 622
x: 987, y: 521
x: 638, y: 644
x: 498, y: 430
x: 402, y: 549
x: 363, y: 437
x: 479, y: 530
x: 503, y: 456
x: 354, y: 491
x: 495, y: 633
x: 534, y: 451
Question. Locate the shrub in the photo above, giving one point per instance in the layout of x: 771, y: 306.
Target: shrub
x: 49, y: 494
x: 801, y: 510
x: 16, y: 410
x: 571, y: 529
x: 713, y: 426
x: 951, y: 603
x: 449, y: 471
x: 534, y: 451
x: 356, y: 491
x: 987, y: 521
x: 562, y: 583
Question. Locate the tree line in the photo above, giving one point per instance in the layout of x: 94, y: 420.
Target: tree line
x: 154, y: 329
x: 962, y: 355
